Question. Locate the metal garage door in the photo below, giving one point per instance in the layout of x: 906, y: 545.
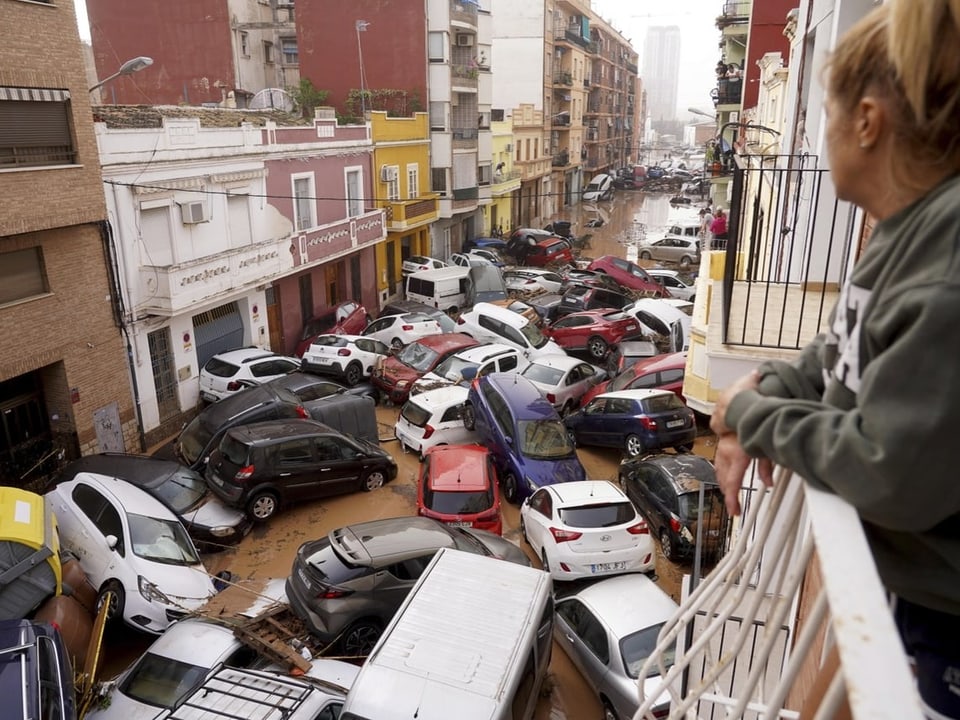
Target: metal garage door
x: 217, y: 330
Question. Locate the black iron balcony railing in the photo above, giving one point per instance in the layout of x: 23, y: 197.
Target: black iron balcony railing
x: 632, y: 68
x: 786, y: 256
x: 563, y: 78
x: 469, y: 133
x: 561, y: 159
x: 729, y: 91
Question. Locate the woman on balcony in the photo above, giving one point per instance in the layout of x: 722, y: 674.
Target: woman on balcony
x: 870, y: 409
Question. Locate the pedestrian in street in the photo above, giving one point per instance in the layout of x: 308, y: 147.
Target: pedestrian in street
x: 870, y: 408
x: 718, y: 228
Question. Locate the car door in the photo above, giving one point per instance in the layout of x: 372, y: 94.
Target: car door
x: 581, y: 378
x: 381, y: 325
x: 585, y: 640
x: 590, y: 425
x: 340, y: 464
x: 538, y: 517
x: 273, y: 367
x: 93, y: 519
x: 297, y: 473
x: 392, y: 583
x: 616, y: 422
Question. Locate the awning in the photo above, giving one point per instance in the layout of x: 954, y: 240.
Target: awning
x: 34, y: 94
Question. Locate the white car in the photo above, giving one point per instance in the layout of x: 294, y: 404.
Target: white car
x: 563, y: 379
x: 130, y: 543
x: 662, y: 317
x: 349, y: 357
x: 416, y: 263
x: 586, y: 528
x: 461, y: 367
x: 225, y: 373
x: 179, y: 661
x: 470, y: 259
x: 486, y: 322
x: 398, y: 330
x: 433, y: 418
x: 671, y: 280
x: 623, y: 615
x: 532, y: 280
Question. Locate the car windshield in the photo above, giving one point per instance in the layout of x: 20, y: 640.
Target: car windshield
x: 452, y: 368
x: 458, y: 503
x: 543, y: 374
x: 320, y: 324
x: 161, y: 681
x: 447, y: 323
x: 690, y: 505
x: 662, y: 403
x: 598, y: 516
x: 163, y: 541
x: 194, y: 439
x: 533, y: 335
x: 544, y: 439
x: 636, y: 648
x: 621, y: 381
x: 182, y: 490
x: 417, y: 356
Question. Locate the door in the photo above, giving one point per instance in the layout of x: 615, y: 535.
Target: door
x: 538, y: 519
x: 275, y: 319
x: 585, y: 640
x: 339, y: 466
x: 392, y: 268
x: 217, y: 330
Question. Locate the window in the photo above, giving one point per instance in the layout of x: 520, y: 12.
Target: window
x: 413, y: 181
x: 484, y: 174
x: 22, y: 275
x: 294, y: 452
x: 438, y: 116
x: 48, y: 667
x: 238, y: 219
x: 438, y: 179
x: 267, y: 51
x: 245, y: 44
x: 354, y: 194
x: 393, y: 184
x: 303, y: 202
x: 435, y: 46
x: 35, y: 127
x: 288, y: 49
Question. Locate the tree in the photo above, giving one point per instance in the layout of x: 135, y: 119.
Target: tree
x: 307, y: 97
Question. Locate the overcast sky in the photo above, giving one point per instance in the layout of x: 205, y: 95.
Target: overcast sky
x: 699, y: 38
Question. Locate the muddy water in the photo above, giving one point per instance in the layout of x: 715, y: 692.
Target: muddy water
x: 267, y: 553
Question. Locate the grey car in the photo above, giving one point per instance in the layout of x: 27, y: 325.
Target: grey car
x: 347, y: 586
x: 684, y: 251
x: 608, y: 629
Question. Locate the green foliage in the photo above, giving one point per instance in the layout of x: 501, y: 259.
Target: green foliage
x: 307, y: 97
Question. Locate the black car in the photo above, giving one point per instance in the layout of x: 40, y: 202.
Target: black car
x: 546, y: 306
x: 666, y: 491
x: 265, y: 465
x: 587, y: 297
x: 402, y: 307
x: 36, y: 677
x: 309, y: 387
x: 202, y: 434
x: 208, y: 521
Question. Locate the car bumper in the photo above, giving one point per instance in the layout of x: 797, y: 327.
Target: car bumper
x: 313, y: 620
x: 229, y: 493
x: 229, y: 535
x: 321, y: 368
x: 394, y: 394
x: 573, y: 566
x: 154, y: 617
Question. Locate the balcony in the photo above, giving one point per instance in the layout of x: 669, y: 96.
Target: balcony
x: 464, y: 11
x: 728, y: 92
x: 505, y: 182
x: 464, y: 76
x: 632, y: 68
x: 407, y: 214
x: 792, y: 623
x: 586, y: 82
x: 561, y: 159
x: 734, y: 12
x: 465, y: 137
x: 563, y: 78
x: 561, y: 120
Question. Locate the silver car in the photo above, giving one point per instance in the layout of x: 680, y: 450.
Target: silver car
x: 684, y: 251
x: 608, y: 629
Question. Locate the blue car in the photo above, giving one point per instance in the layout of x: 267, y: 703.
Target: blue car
x: 524, y: 433
x: 636, y: 420
x: 488, y: 243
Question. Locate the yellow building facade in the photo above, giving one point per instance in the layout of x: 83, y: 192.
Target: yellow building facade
x: 505, y: 183
x: 401, y: 186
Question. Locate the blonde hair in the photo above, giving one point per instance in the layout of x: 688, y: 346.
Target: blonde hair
x: 908, y: 53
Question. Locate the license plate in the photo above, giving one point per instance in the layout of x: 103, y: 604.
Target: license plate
x: 631, y: 327
x: 674, y: 423
x: 460, y: 523
x: 607, y: 567
x: 303, y: 578
x: 208, y: 397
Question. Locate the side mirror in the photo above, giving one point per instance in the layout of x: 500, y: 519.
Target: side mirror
x: 111, y: 541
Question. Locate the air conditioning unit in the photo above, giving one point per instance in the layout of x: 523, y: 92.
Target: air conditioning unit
x: 464, y: 40
x: 388, y: 173
x: 193, y: 212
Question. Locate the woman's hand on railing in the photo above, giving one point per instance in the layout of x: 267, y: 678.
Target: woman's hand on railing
x: 731, y: 462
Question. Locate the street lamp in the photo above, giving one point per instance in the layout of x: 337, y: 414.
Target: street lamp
x: 361, y: 26
x: 128, y: 68
x: 695, y: 111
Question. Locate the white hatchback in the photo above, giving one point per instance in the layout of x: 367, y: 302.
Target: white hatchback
x: 433, y: 418
x: 532, y: 280
x: 224, y: 373
x: 673, y: 282
x: 416, y: 263
x: 491, y: 323
x: 462, y: 367
x: 587, y: 528
x: 563, y: 379
x: 349, y: 357
x: 130, y: 543
x: 399, y: 330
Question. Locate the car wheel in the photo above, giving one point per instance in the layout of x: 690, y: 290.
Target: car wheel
x: 567, y: 408
x: 358, y: 640
x: 684, y: 447
x: 645, y: 255
x: 112, y: 593
x: 262, y: 506
x: 686, y: 262
x: 469, y: 417
x: 523, y: 531
x: 666, y: 546
x: 608, y: 712
x: 353, y: 374
x: 633, y: 445
x: 544, y: 562
x: 597, y: 347
x: 396, y: 344
x: 510, y: 489
x: 374, y: 480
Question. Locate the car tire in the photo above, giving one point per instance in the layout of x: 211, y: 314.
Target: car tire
x: 633, y: 446
x: 568, y: 407
x: 608, y: 712
x: 684, y: 447
x: 510, y: 488
x: 685, y: 262
x: 469, y: 417
x: 645, y: 255
x: 396, y: 345
x: 597, y: 347
x: 262, y: 506
x: 358, y: 639
x: 373, y: 480
x: 353, y: 374
x: 117, y: 600
x: 666, y: 546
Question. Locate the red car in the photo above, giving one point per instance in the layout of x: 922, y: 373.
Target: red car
x: 629, y: 274
x: 458, y: 486
x: 397, y: 373
x: 660, y: 371
x: 592, y: 330
x: 549, y: 251
x: 347, y: 318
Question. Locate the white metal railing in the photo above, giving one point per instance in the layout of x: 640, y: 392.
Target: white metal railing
x: 737, y: 653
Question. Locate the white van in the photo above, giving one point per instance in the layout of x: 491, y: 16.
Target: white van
x: 448, y: 289
x: 472, y: 640
x: 486, y: 322
x: 599, y: 188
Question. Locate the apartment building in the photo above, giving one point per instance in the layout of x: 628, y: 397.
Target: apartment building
x: 64, y: 382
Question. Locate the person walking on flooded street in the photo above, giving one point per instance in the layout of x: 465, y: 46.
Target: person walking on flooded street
x: 870, y: 408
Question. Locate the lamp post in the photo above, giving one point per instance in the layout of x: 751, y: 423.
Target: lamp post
x: 704, y: 113
x: 128, y: 68
x: 361, y: 26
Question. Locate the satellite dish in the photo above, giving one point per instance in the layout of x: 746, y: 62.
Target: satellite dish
x: 276, y: 98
